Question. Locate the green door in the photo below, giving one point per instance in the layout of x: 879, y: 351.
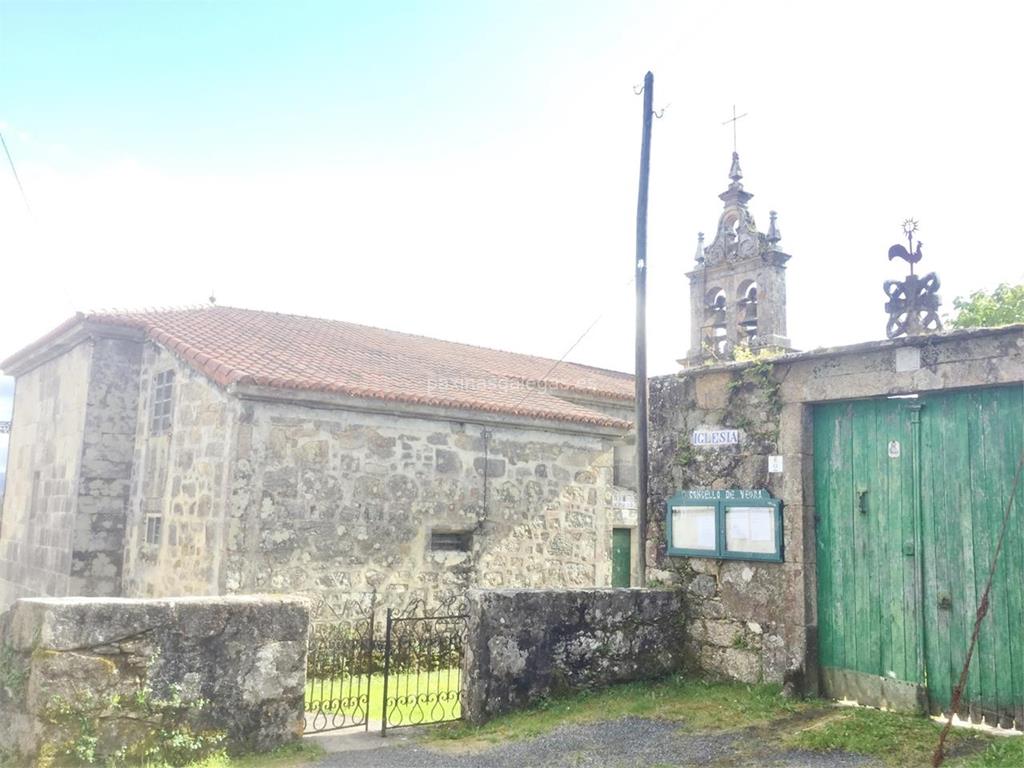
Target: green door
x: 910, y: 495
x: 971, y: 442
x: 868, y: 625
x: 622, y: 550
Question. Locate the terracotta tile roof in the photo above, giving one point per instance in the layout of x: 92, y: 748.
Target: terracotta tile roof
x: 241, y: 346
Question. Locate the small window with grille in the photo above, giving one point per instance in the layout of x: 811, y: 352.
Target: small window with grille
x: 163, y: 392
x: 451, y: 541
x: 154, y: 525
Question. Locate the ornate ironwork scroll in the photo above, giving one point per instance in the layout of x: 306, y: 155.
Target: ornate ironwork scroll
x: 913, y: 304
x: 339, y: 670
x: 422, y: 670
x: 340, y: 662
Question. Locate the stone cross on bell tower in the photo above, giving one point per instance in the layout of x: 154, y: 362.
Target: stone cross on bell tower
x: 738, y: 288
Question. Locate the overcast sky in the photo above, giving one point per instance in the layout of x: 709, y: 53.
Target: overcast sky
x: 469, y: 170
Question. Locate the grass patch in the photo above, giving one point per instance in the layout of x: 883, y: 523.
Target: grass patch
x: 697, y: 705
x: 297, y: 753
x: 286, y: 756
x: 344, y: 694
x: 906, y: 740
x: 771, y: 722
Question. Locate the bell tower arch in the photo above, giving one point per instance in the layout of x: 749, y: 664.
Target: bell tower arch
x: 738, y: 287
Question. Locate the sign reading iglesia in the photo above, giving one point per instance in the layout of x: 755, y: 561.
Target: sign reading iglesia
x: 704, y: 438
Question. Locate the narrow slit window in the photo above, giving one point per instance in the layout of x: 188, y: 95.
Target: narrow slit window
x: 451, y: 541
x: 163, y: 397
x: 154, y: 526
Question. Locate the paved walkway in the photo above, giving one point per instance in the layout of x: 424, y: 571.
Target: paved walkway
x: 626, y: 743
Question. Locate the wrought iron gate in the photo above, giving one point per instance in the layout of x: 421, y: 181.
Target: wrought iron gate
x: 422, y: 670
x: 409, y: 675
x: 339, y: 675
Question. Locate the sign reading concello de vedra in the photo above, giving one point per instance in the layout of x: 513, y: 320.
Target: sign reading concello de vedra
x: 705, y: 438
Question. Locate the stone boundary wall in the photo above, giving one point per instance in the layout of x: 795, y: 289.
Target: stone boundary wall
x: 130, y: 668
x: 756, y: 621
x: 523, y: 645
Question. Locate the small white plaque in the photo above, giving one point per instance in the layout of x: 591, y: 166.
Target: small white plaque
x: 712, y: 438
x: 775, y: 465
x: 908, y: 359
x: 894, y: 449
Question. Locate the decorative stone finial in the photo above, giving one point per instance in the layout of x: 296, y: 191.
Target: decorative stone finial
x: 913, y: 304
x: 700, y: 248
x: 735, y: 173
x: 773, y: 235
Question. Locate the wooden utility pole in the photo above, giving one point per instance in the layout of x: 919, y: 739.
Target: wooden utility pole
x: 641, y: 328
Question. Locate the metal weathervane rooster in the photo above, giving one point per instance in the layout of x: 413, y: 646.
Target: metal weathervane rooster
x: 913, y: 304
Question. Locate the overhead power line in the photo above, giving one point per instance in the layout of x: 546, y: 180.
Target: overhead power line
x: 17, y: 178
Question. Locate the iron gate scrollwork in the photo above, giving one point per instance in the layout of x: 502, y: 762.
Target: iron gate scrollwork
x: 409, y: 674
x: 340, y: 666
x: 422, y: 670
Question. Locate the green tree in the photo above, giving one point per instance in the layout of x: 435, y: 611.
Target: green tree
x: 1003, y: 306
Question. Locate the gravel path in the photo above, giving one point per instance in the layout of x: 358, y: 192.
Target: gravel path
x: 626, y: 743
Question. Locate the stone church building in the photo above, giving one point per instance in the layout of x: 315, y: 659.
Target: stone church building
x: 218, y: 450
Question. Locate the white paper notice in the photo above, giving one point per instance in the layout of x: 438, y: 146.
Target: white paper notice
x: 738, y: 522
x: 706, y: 532
x: 750, y: 529
x: 693, y: 527
x: 762, y: 525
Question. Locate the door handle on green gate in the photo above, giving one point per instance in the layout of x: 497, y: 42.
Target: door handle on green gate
x: 861, y: 506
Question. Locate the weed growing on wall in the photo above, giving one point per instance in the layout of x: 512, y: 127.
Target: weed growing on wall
x: 755, y: 404
x: 13, y: 674
x: 135, y: 729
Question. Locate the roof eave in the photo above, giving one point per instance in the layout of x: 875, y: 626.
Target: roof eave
x: 61, y: 340
x: 601, y: 426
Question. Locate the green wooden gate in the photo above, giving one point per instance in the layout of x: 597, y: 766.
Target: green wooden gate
x: 909, y: 497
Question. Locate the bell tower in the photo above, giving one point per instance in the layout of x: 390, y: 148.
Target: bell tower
x: 738, y: 287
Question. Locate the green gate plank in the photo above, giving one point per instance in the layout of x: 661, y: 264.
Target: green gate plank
x: 822, y: 437
x: 865, y: 645
x: 1015, y: 571
x: 981, y: 498
x: 910, y: 616
x: 938, y: 559
x: 998, y: 438
x: 845, y: 547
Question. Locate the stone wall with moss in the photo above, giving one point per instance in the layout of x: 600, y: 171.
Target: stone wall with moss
x: 526, y: 645
x: 42, y: 477
x: 70, y: 461
x: 743, y: 622
x: 752, y: 620
x: 179, y: 476
x: 340, y: 503
x: 117, y: 681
